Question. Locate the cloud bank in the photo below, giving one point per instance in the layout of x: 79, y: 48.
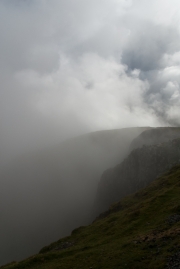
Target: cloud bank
x: 70, y: 67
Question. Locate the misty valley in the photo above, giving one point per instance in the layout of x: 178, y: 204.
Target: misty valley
x: 89, y: 134
x: 47, y: 194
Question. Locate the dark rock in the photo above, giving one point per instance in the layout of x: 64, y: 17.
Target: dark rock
x: 173, y: 219
x: 142, y: 166
x: 154, y: 136
x: 174, y: 261
x: 64, y: 245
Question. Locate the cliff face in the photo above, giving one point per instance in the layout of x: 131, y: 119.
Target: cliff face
x: 141, y: 167
x: 46, y: 194
x: 155, y: 136
x: 140, y: 231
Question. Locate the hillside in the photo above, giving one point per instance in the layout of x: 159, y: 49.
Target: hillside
x: 46, y: 194
x: 140, y: 231
x: 140, y: 167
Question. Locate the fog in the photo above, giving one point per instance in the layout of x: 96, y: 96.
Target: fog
x: 68, y: 68
x: 46, y: 194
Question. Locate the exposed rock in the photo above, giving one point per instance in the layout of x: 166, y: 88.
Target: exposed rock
x: 155, y: 136
x: 141, y: 167
x: 174, y: 261
x: 64, y: 245
x: 173, y: 219
x: 57, y: 246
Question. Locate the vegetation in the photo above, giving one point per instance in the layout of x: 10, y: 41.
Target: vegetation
x: 141, y: 231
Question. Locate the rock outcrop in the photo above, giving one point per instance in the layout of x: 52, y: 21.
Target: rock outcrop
x: 141, y: 167
x: 155, y: 136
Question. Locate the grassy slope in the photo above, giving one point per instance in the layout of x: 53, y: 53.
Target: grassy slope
x: 138, y: 232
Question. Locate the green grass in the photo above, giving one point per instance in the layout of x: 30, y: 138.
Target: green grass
x: 134, y: 234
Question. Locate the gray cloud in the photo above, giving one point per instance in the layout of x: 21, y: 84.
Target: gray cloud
x: 69, y: 67
x: 147, y: 46
x: 154, y: 50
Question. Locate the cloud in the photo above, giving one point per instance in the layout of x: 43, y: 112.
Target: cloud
x: 96, y: 92
x: 70, y: 67
x: 148, y: 44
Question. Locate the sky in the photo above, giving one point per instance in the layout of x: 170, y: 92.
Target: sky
x: 69, y: 67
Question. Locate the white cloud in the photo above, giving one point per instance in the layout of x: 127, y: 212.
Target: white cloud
x: 106, y: 103
x: 69, y: 67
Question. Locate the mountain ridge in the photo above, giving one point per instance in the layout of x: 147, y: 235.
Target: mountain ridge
x: 140, y: 167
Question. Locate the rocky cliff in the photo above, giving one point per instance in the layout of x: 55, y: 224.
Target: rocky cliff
x: 155, y: 136
x: 140, y: 231
x: 141, y: 167
x: 45, y: 194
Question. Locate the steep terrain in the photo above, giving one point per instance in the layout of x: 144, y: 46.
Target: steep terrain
x: 46, y: 194
x: 140, y: 231
x: 141, y: 167
x: 155, y: 136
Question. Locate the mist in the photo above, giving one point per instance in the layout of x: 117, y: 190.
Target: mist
x: 46, y: 194
x: 69, y: 68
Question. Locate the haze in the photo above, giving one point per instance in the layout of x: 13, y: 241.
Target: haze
x: 70, y: 67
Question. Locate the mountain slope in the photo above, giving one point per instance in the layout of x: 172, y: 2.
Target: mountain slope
x: 155, y: 136
x: 141, y: 167
x: 46, y: 194
x: 140, y: 231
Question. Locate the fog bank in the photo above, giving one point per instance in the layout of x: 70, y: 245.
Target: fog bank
x: 69, y: 67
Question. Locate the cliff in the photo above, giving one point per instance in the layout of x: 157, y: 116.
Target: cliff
x: 141, y: 167
x: 45, y: 194
x: 140, y: 231
x: 155, y: 136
